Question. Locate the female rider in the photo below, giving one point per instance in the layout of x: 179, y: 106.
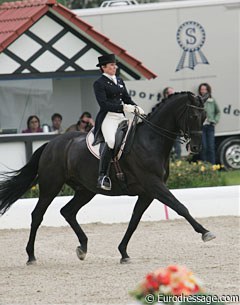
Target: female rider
x: 114, y: 101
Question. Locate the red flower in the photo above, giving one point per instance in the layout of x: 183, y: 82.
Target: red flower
x: 151, y: 282
x: 178, y: 290
x: 172, y: 268
x: 150, y: 277
x: 196, y: 288
x: 163, y: 278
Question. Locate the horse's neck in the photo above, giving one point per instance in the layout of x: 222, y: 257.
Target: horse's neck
x: 165, y: 118
x: 165, y: 123
x: 158, y: 138
x: 153, y: 138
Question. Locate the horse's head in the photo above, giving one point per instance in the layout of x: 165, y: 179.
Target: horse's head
x: 194, y: 116
x: 182, y: 113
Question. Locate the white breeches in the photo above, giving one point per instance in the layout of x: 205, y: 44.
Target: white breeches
x: 109, y: 127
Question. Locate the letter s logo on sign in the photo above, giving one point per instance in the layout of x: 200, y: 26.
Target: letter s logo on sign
x: 191, y: 37
x: 189, y: 32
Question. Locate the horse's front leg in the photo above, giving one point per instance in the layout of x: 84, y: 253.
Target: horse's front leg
x: 140, y: 207
x: 69, y: 212
x: 162, y: 193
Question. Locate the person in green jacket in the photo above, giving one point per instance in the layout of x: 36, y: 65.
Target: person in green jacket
x: 213, y: 115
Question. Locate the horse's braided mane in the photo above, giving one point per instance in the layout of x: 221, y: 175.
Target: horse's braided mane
x: 163, y: 102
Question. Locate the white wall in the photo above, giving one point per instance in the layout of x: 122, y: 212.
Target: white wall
x: 201, y: 202
x: 13, y: 154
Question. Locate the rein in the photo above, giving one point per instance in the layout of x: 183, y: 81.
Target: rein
x: 185, y: 136
x: 161, y: 130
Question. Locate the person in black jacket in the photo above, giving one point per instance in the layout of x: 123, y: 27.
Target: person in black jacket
x: 114, y: 101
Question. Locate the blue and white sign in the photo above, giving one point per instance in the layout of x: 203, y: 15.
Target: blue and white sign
x: 191, y: 37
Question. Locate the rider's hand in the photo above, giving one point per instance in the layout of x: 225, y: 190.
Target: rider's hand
x: 140, y: 110
x: 129, y: 108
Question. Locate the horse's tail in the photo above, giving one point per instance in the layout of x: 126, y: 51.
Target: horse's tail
x: 16, y: 183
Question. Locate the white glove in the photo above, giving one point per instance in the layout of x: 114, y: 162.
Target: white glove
x: 140, y: 110
x: 129, y: 108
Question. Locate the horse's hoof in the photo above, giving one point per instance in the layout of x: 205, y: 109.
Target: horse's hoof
x: 31, y: 262
x: 80, y: 253
x: 208, y: 236
x: 126, y: 260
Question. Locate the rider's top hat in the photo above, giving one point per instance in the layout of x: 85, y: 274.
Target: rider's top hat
x: 106, y: 59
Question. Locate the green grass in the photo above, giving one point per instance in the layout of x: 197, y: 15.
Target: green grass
x: 231, y: 177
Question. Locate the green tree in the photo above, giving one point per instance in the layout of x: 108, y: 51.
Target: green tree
x: 78, y: 4
x: 63, y: 2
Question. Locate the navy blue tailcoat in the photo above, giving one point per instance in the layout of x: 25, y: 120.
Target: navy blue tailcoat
x: 110, y: 97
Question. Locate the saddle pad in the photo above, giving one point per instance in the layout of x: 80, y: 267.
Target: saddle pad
x: 95, y: 150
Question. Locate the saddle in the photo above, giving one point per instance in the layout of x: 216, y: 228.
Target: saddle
x: 123, y: 140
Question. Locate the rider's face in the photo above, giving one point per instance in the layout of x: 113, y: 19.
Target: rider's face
x: 110, y: 68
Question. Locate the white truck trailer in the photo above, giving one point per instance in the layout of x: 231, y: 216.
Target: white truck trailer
x: 185, y: 43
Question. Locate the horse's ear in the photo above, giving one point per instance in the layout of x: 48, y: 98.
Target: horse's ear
x: 192, y: 96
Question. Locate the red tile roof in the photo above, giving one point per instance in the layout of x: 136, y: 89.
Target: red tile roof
x: 17, y: 17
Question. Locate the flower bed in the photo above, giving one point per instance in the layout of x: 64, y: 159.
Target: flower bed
x: 182, y: 175
x: 188, y: 175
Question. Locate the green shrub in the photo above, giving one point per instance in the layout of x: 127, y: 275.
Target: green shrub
x: 182, y: 175
x: 186, y: 175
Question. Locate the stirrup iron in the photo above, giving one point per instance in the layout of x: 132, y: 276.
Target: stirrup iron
x: 108, y: 180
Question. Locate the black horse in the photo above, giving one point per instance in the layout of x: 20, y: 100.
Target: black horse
x: 66, y: 159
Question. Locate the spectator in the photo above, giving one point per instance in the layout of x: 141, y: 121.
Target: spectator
x: 168, y: 91
x: 33, y: 125
x: 85, y: 123
x: 176, y: 145
x: 213, y: 116
x: 56, y: 123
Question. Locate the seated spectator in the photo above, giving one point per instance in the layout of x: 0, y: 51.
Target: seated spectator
x: 33, y: 125
x: 56, y: 123
x: 85, y: 123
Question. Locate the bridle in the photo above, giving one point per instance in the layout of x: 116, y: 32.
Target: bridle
x: 182, y: 136
x: 188, y: 133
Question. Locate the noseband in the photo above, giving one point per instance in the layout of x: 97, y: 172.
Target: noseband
x: 187, y: 135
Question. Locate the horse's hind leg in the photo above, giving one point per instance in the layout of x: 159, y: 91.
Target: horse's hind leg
x: 46, y: 196
x: 140, y: 207
x: 69, y: 212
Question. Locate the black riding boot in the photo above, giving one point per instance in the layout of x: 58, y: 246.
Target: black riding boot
x: 104, y: 182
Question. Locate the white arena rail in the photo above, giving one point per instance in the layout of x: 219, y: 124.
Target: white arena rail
x: 202, y: 202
